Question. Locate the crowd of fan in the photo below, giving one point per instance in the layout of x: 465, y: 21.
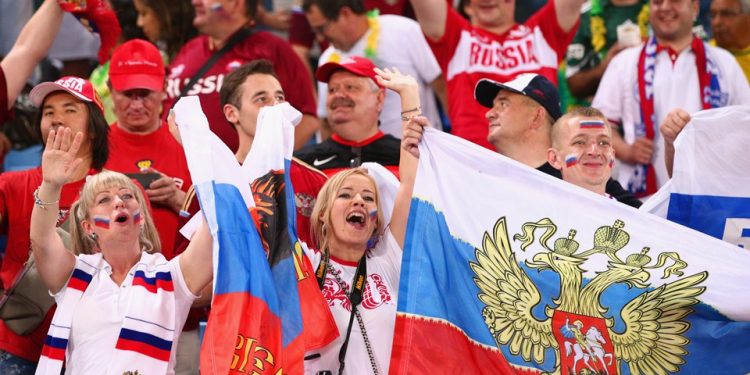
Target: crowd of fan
x: 593, y: 92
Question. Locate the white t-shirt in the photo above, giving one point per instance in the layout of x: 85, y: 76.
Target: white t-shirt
x: 401, y: 44
x: 99, y: 315
x: 675, y: 86
x: 378, y: 309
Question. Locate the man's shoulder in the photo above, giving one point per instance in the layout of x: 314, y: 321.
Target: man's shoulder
x: 310, y: 151
x: 392, y: 20
x: 388, y: 141
x: 190, y: 49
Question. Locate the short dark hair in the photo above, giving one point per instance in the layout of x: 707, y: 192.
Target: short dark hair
x: 230, y: 93
x: 98, y: 127
x: 332, y: 8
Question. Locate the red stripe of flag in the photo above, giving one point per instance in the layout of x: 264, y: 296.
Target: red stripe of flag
x: 77, y: 284
x: 419, y: 347
x: 53, y: 353
x: 145, y: 349
x: 166, y: 285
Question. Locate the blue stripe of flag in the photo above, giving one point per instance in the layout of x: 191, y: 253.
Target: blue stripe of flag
x: 83, y: 276
x: 146, y: 338
x: 164, y: 276
x: 56, y: 342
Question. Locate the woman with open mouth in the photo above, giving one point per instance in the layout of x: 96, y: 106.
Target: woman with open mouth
x: 360, y: 242
x: 121, y: 304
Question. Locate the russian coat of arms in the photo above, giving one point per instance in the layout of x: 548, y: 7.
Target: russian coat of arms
x: 577, y: 327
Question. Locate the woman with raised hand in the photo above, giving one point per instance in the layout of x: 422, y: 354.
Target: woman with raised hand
x: 359, y: 261
x: 121, y: 306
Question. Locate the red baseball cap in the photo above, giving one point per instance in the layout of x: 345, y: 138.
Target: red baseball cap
x: 137, y: 64
x: 354, y: 64
x: 76, y: 86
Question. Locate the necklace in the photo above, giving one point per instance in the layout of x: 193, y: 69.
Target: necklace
x: 361, y: 323
x: 599, y: 30
x: 371, y: 47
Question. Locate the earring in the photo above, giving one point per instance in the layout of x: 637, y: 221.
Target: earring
x: 94, y: 237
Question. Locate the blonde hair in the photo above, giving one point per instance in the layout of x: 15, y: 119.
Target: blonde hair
x: 320, y: 219
x: 79, y: 211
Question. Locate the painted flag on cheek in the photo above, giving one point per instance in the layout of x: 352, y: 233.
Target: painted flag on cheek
x: 531, y: 275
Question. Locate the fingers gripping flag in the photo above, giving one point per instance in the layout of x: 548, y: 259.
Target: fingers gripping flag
x: 710, y: 187
x: 508, y: 270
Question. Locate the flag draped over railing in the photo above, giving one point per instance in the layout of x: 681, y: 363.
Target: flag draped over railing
x: 508, y: 270
x: 255, y: 325
x: 710, y: 187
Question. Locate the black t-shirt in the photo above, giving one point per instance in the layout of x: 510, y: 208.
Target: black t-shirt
x: 613, y: 187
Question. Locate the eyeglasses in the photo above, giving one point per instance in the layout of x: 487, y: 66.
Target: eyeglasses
x: 724, y: 14
x: 142, y: 94
x: 320, y: 29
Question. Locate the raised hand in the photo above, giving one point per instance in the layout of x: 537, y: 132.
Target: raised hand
x: 393, y: 79
x: 60, y: 160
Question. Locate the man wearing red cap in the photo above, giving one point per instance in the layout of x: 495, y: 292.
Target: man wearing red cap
x: 354, y: 103
x: 72, y: 103
x: 140, y: 141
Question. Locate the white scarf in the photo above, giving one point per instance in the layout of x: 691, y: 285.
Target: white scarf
x: 145, y: 341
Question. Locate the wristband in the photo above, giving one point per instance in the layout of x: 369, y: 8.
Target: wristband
x: 39, y: 202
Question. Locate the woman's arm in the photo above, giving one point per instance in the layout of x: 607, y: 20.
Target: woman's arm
x: 196, y: 262
x: 407, y: 87
x: 59, y: 162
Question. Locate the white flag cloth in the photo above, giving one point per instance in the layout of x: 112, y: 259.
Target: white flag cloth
x: 710, y: 186
x: 509, y: 270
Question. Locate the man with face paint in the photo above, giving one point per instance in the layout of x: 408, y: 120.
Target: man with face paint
x: 521, y: 116
x: 582, y: 149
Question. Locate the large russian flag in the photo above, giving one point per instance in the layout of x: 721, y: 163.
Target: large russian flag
x: 710, y: 187
x: 305, y: 313
x: 256, y: 324
x: 508, y: 270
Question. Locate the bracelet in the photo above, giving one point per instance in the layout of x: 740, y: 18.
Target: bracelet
x: 415, y: 109
x: 39, y: 202
x: 407, y: 118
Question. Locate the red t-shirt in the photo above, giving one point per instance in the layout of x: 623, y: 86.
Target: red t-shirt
x: 4, y: 112
x: 467, y: 54
x: 16, y: 203
x: 259, y: 45
x: 128, y: 153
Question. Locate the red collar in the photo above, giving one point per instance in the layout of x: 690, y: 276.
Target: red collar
x: 365, y: 142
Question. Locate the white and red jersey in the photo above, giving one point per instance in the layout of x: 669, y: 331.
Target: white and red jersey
x: 675, y: 86
x: 259, y: 45
x: 467, y: 54
x: 378, y: 309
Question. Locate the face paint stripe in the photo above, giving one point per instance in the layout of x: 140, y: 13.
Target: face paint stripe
x: 591, y: 124
x: 571, y: 160
x: 137, y: 217
x: 101, y: 222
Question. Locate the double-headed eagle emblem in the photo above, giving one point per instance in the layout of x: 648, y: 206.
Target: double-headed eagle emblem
x: 583, y: 337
